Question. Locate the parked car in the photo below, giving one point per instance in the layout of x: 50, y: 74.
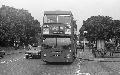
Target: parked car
x: 33, y: 52
x: 80, y: 46
x: 2, y: 53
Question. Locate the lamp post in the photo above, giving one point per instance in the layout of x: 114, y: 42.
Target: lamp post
x: 84, y: 39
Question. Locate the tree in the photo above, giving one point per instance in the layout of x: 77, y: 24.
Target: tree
x: 97, y: 27
x: 17, y: 24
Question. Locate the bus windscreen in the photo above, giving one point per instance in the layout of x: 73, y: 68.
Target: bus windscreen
x: 57, y: 42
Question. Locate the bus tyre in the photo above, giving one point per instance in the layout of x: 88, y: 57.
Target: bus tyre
x: 95, y: 55
x: 74, y: 56
x: 1, y: 56
x: 27, y: 57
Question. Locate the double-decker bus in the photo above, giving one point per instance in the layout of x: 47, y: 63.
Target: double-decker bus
x: 58, y: 37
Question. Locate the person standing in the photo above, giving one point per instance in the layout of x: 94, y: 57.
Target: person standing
x: 29, y: 47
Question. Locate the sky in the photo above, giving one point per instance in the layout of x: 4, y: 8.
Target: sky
x: 81, y: 9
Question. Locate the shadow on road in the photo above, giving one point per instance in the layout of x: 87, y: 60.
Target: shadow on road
x: 58, y: 63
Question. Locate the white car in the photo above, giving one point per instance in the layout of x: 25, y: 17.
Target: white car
x: 34, y: 52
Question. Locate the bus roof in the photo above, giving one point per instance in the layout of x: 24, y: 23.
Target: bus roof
x: 57, y: 13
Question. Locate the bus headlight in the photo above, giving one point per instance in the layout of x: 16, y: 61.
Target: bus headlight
x: 68, y: 55
x: 70, y: 50
x: 46, y: 31
x: 44, y: 55
x: 67, y: 31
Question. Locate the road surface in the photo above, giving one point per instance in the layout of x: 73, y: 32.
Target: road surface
x: 85, y: 64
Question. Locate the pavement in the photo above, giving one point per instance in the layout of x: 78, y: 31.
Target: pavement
x: 11, y: 50
x: 110, y: 63
x: 87, y: 55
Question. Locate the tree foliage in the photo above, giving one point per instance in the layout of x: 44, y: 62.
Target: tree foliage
x: 17, y: 24
x: 98, y: 27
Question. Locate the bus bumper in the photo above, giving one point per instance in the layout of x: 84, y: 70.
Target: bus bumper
x: 57, y: 58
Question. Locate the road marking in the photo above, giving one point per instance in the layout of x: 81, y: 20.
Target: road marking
x: 3, y: 62
x: 79, y: 73
x: 79, y: 69
x: 83, y: 74
x: 12, y: 60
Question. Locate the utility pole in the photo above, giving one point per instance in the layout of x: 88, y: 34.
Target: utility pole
x: 84, y: 39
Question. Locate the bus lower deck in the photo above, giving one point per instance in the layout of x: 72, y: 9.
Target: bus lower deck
x: 58, y: 50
